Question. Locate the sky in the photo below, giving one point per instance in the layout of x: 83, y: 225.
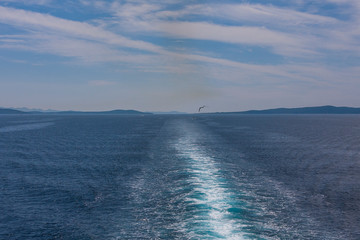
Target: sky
x: 165, y: 55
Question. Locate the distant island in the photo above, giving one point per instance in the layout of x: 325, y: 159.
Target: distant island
x: 302, y: 110
x: 112, y: 112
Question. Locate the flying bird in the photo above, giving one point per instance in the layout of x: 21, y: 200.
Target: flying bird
x: 201, y: 108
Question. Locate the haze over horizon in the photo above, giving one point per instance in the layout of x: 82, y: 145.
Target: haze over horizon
x: 169, y: 55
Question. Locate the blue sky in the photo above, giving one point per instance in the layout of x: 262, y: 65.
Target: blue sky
x: 154, y: 55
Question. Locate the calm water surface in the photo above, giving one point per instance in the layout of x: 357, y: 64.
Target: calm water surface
x: 180, y: 177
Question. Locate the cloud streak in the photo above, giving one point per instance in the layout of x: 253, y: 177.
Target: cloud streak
x: 288, y: 32
x: 94, y: 44
x: 36, y: 21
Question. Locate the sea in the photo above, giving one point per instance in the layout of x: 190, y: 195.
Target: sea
x: 197, y: 176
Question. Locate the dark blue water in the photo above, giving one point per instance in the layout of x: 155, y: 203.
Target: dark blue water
x: 180, y: 177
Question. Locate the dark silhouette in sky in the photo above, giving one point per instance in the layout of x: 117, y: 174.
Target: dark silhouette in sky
x: 201, y: 108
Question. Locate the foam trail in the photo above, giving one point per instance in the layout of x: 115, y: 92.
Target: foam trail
x: 25, y: 127
x: 210, y: 197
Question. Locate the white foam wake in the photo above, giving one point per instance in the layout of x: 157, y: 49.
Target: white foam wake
x: 210, y: 194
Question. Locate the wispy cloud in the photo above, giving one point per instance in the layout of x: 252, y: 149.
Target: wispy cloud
x: 251, y: 14
x: 93, y: 44
x: 287, y: 31
x: 28, y: 20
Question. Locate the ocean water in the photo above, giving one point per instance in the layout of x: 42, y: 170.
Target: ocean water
x: 180, y: 177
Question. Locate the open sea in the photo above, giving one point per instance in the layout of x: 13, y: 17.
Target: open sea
x: 180, y: 177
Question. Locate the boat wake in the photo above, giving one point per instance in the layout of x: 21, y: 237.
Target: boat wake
x: 210, y: 199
